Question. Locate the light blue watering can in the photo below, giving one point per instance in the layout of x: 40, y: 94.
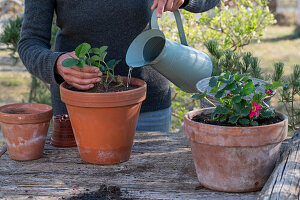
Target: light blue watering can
x: 182, y: 65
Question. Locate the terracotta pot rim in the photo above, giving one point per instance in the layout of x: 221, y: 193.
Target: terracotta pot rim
x: 43, y: 113
x: 110, y: 99
x: 188, y: 116
x: 63, y: 86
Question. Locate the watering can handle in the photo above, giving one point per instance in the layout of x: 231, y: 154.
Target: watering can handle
x: 154, y: 25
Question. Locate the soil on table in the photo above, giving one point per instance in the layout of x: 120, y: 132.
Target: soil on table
x: 103, y: 193
x: 99, y: 88
x: 205, y: 118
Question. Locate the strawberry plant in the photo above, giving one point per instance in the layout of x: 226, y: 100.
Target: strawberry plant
x: 94, y: 57
x: 240, y: 103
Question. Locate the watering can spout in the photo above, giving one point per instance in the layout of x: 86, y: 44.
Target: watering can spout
x: 182, y: 65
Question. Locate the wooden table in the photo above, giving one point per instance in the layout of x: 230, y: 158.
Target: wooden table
x: 160, y: 167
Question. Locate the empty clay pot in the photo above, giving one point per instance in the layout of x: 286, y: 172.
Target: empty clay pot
x: 234, y: 159
x: 62, y: 134
x: 104, y: 123
x: 25, y: 127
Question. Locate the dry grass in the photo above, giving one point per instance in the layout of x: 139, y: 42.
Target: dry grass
x: 14, y: 87
x: 278, y: 44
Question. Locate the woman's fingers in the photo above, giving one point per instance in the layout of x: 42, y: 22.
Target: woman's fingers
x: 177, y: 5
x: 74, y: 79
x: 82, y: 87
x: 84, y: 74
x: 160, y: 7
x: 166, y: 5
x: 169, y: 5
x: 81, y: 78
x: 154, y: 5
x: 87, y: 69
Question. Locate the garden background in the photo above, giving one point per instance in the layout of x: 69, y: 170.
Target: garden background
x: 259, y: 37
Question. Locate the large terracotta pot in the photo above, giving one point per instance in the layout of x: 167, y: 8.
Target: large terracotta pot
x: 104, y: 123
x: 234, y: 159
x: 25, y: 127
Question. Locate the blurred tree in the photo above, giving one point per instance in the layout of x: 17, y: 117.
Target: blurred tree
x: 39, y: 90
x: 298, y: 3
x: 233, y: 24
x: 273, y: 6
x: 10, y: 8
x: 11, y: 35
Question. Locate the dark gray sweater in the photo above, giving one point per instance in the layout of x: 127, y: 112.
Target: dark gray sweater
x: 114, y: 23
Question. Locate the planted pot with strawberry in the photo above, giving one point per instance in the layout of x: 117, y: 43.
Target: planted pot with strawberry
x: 103, y: 118
x: 240, y: 103
x: 86, y: 55
x: 236, y: 143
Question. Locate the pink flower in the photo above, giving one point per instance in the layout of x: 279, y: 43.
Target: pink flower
x: 229, y: 95
x: 254, y: 110
x: 269, y: 91
x: 244, y: 84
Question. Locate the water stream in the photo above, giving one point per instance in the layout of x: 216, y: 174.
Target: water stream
x: 129, y: 76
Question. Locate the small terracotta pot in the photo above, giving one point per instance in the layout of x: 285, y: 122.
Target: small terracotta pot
x: 62, y: 134
x: 234, y: 159
x: 104, y: 123
x: 25, y: 127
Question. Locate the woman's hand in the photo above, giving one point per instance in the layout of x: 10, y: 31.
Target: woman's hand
x: 83, y: 78
x: 166, y: 5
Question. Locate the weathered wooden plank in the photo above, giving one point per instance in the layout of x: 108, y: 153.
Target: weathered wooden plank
x: 161, y: 167
x: 284, y: 182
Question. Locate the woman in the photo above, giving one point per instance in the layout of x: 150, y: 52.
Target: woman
x: 114, y: 23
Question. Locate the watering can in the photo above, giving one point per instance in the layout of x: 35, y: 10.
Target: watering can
x: 182, y: 65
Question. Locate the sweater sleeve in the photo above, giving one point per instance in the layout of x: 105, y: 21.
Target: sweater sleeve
x: 198, y: 6
x: 34, y: 45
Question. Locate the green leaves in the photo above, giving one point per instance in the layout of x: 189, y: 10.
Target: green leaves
x: 273, y: 85
x: 267, y: 112
x: 276, y: 85
x: 254, y: 123
x: 258, y: 97
x: 213, y: 82
x: 219, y: 111
x: 81, y: 63
x: 236, y: 94
x: 103, y: 55
x: 238, y: 77
x: 245, y: 111
x: 99, y: 51
x: 219, y: 94
x: 233, y: 119
x: 94, y: 57
x: 248, y: 89
x: 82, y: 49
x: 237, y: 99
x: 244, y: 121
x: 112, y: 63
x: 69, y: 62
x: 199, y: 96
x: 231, y: 86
